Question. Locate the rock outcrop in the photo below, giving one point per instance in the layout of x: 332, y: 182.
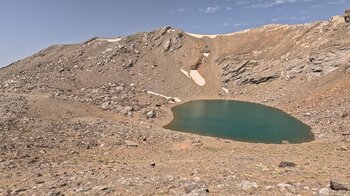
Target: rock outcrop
x: 347, y: 16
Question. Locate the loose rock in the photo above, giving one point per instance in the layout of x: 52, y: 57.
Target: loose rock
x: 246, y: 185
x: 151, y: 114
x: 338, y: 186
x: 284, y: 164
x: 131, y: 144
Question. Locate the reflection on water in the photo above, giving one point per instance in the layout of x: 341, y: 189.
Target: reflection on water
x: 238, y: 120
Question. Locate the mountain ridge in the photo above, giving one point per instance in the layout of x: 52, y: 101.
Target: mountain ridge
x: 87, y: 118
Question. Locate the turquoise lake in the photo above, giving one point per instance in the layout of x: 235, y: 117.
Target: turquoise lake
x: 237, y: 120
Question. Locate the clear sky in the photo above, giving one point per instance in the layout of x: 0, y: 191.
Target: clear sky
x: 27, y: 26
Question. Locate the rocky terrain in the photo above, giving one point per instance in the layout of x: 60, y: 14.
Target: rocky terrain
x: 86, y: 119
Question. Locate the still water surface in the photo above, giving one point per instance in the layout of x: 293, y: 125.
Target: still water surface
x: 237, y: 120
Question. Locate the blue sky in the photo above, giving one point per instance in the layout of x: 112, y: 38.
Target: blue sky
x: 28, y: 26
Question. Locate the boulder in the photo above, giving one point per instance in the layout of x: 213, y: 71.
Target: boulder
x: 167, y: 45
x: 338, y: 186
x: 347, y: 16
x: 285, y: 164
x: 161, y: 32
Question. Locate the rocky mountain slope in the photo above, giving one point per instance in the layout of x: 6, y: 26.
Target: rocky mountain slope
x: 87, y: 118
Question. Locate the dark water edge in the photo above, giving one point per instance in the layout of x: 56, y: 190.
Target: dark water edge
x: 240, y: 121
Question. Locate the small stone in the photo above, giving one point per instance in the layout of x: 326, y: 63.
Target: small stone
x: 80, y: 189
x: 343, y: 148
x: 171, y: 99
x: 100, y: 188
x: 152, y: 164
x: 268, y: 188
x: 284, y: 164
x: 317, y: 69
x: 105, y: 105
x: 20, y: 190
x: 288, y: 187
x: 323, y: 192
x: 188, y: 189
x: 130, y: 64
x: 246, y: 185
x: 131, y: 144
x: 119, y: 88
x: 55, y: 193
x: 285, y: 142
x: 151, y: 114
x: 128, y: 108
x: 197, y: 143
x: 338, y: 186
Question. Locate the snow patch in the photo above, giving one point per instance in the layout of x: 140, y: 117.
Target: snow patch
x: 216, y: 35
x: 197, y: 78
x: 166, y: 97
x: 185, y: 72
x: 110, y: 40
x: 225, y: 89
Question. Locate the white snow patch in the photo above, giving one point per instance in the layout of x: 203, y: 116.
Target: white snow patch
x: 185, y: 72
x: 216, y: 35
x: 197, y: 78
x: 206, y: 54
x: 166, y: 97
x: 225, y: 89
x: 110, y: 40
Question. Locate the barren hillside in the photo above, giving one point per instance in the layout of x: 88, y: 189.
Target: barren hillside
x: 87, y: 118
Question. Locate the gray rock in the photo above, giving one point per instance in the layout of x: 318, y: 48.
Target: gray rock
x: 151, y: 114
x: 285, y: 142
x: 161, y: 32
x: 196, y: 188
x: 55, y: 193
x: 131, y: 144
x: 323, y: 192
x: 188, y: 189
x: 316, y: 68
x: 105, y: 105
x: 338, y: 186
x: 171, y: 99
x: 287, y: 187
x: 129, y: 64
x: 347, y: 16
x: 197, y: 143
x: 128, y: 108
x: 167, y: 45
x: 119, y: 88
x: 342, y: 148
x: 284, y: 164
x: 100, y: 188
x: 246, y: 185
